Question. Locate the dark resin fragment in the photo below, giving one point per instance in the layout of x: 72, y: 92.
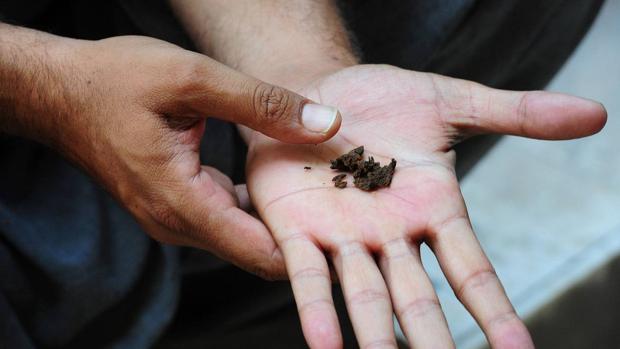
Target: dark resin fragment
x: 340, y: 177
x: 339, y: 181
x: 367, y: 175
x: 307, y: 168
x: 376, y: 177
x: 366, y: 167
x: 349, y: 161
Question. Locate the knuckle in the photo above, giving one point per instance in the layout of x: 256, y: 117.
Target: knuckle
x: 476, y: 280
x: 419, y: 308
x: 271, y: 268
x: 310, y: 273
x: 188, y: 74
x: 351, y: 248
x: 448, y: 225
x: 317, y: 305
x: 271, y: 103
x: 521, y: 122
x: 501, y: 319
x: 368, y: 296
x: 295, y: 238
x: 395, y: 249
x: 381, y: 344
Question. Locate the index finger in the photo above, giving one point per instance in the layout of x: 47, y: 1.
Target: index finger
x: 207, y: 213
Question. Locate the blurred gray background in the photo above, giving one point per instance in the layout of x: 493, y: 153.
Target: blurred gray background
x: 548, y: 215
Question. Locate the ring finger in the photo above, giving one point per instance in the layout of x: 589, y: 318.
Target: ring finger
x: 415, y: 303
x: 366, y: 296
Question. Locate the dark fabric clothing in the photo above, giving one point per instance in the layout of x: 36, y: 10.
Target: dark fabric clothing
x: 74, y: 267
x: 257, y: 314
x: 77, y: 271
x: 515, y: 45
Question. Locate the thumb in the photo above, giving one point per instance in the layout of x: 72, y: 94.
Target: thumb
x: 227, y: 94
x: 535, y: 114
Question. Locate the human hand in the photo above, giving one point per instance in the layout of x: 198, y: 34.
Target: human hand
x: 415, y: 118
x: 131, y: 111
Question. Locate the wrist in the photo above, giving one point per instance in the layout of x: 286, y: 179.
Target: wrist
x: 295, y: 74
x: 37, y: 91
x: 284, y: 42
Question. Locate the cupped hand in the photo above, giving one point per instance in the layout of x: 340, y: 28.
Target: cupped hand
x: 133, y: 114
x: 373, y: 238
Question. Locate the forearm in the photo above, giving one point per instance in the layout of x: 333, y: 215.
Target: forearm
x: 34, y: 91
x: 279, y: 41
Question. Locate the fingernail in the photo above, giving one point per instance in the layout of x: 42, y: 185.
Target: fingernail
x: 318, y: 118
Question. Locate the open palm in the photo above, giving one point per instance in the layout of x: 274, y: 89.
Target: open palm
x: 373, y: 238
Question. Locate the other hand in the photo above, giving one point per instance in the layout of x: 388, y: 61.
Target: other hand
x: 133, y: 115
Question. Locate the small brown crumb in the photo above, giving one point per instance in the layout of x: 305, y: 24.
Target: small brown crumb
x: 339, y: 181
x: 307, y: 168
x: 338, y: 178
x: 340, y: 185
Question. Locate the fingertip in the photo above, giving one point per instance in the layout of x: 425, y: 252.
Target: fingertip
x: 316, y: 123
x: 335, y: 126
x: 600, y: 116
x: 327, y: 135
x: 323, y: 333
x: 511, y: 335
x: 243, y: 197
x: 562, y: 116
x: 320, y: 122
x: 277, y: 259
x: 590, y: 115
x: 273, y: 270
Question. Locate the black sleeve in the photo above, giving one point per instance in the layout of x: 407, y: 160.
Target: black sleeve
x: 22, y: 12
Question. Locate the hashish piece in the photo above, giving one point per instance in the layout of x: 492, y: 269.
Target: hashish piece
x: 339, y: 181
x: 349, y: 161
x: 367, y: 175
x: 376, y: 177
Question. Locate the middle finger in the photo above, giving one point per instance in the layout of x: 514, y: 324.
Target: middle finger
x: 366, y: 296
x: 415, y: 303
